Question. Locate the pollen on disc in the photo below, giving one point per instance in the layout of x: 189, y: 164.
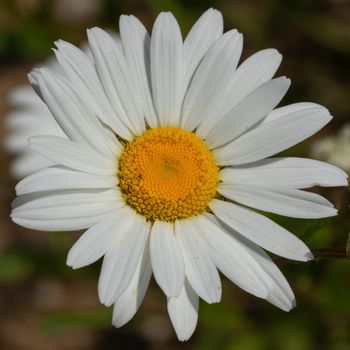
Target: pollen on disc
x: 168, y: 174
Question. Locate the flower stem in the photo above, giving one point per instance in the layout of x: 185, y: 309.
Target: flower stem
x: 323, y: 253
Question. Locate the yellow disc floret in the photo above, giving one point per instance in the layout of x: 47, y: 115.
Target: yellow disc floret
x: 167, y: 174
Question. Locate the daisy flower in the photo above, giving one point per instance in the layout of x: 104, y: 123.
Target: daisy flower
x: 166, y: 158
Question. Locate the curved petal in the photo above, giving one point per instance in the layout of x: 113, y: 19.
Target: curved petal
x: 74, y: 116
x: 274, y: 136
x: 183, y: 312
x: 128, y: 303
x: 121, y: 260
x: 115, y: 76
x: 250, y: 110
x: 210, y: 80
x: 136, y: 44
x: 167, y: 260
x: 96, y: 241
x: 67, y: 204
x: 232, y: 259
x: 81, y: 72
x: 68, y: 211
x: 253, y: 72
x: 59, y: 178
x: 294, y: 107
x: 280, y: 294
x: 167, y: 69
x: 261, y: 230
x: 73, y: 155
x: 279, y: 200
x: 200, y: 270
x: 61, y: 224
x: 202, y: 35
x: 288, y: 172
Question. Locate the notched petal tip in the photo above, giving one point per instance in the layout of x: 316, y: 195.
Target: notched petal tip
x: 288, y: 308
x: 71, y: 261
x: 105, y: 299
x: 285, y: 80
x: 92, y: 32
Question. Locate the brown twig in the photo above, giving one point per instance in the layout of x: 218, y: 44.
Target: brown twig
x: 322, y: 253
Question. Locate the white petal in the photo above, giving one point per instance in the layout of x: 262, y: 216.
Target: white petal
x: 295, y: 107
x: 96, y: 241
x: 200, y: 270
x: 248, y: 112
x: 232, y: 259
x: 128, y: 303
x: 33, y: 78
x: 73, y: 155
x: 81, y: 71
x: 202, y: 35
x: 66, y: 205
x: 74, y: 116
x: 288, y: 172
x: 211, y: 79
x: 279, y: 200
x: 136, y: 44
x: 280, y: 293
x: 167, y: 69
x: 254, y: 71
x: 261, y: 230
x: 183, y: 312
x: 120, y: 262
x: 31, y: 200
x: 115, y: 76
x: 273, y: 136
x: 56, y: 178
x: 56, y: 225
x: 166, y: 257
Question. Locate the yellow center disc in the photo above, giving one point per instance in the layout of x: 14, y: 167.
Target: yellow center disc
x: 168, y: 174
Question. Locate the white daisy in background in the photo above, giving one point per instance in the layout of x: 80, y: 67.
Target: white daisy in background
x: 334, y: 149
x: 30, y: 117
x: 167, y: 146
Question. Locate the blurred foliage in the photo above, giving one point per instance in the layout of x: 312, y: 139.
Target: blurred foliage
x: 55, y: 322
x: 53, y: 307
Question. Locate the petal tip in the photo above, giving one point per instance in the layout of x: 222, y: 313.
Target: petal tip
x: 309, y: 256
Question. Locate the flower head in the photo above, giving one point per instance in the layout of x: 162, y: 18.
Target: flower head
x: 167, y: 148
